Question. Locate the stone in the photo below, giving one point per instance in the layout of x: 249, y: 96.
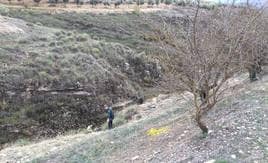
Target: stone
x: 135, y: 158
x: 210, y: 161
x: 89, y: 128
x: 233, y: 156
x: 241, y: 152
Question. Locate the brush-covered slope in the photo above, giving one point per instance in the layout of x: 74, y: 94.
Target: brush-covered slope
x: 58, y: 70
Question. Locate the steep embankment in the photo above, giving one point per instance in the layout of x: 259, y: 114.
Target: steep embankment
x: 238, y: 124
x: 57, y: 71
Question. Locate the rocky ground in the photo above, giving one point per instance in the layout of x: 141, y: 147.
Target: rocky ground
x: 238, y: 133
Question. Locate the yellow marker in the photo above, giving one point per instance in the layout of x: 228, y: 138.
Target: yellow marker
x: 155, y: 131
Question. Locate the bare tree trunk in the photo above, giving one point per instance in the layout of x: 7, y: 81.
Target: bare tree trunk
x: 203, y: 96
x: 201, y: 124
x: 252, y: 73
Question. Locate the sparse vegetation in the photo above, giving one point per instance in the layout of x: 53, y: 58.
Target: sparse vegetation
x: 58, y: 63
x: 58, y: 68
x: 140, y: 2
x: 37, y: 1
x: 168, y: 2
x: 151, y: 2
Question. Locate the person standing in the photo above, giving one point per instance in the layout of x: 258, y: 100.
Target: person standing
x: 110, y: 115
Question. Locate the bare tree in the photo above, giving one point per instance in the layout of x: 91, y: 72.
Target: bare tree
x: 203, y: 51
x: 254, y: 53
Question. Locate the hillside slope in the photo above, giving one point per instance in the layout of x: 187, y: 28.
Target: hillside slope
x: 238, y: 124
x: 58, y: 70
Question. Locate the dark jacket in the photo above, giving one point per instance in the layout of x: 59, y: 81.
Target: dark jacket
x: 110, y: 114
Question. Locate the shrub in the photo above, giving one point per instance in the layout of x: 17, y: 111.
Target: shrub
x: 136, y: 10
x: 151, y: 2
x: 168, y: 2
x: 180, y: 3
x: 207, y: 6
x: 119, y: 120
x: 157, y: 2
x: 52, y: 44
x: 22, y: 142
x: 52, y: 2
x: 130, y: 113
x: 82, y: 38
x: 43, y: 39
x: 129, y: 2
x: 74, y: 48
x: 23, y: 41
x: 58, y: 33
x: 140, y: 2
x: 37, y: 1
x: 3, y: 10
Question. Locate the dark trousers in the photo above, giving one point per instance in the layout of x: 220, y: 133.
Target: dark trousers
x: 110, y: 124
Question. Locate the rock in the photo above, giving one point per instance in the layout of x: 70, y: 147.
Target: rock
x: 15, y: 131
x: 210, y: 161
x: 53, y: 149
x: 134, y: 158
x: 233, y: 156
x: 150, y: 158
x: 241, y: 152
x: 248, y: 138
x: 156, y: 152
x: 127, y: 66
x: 152, y: 106
x: 264, y: 128
x: 89, y: 128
